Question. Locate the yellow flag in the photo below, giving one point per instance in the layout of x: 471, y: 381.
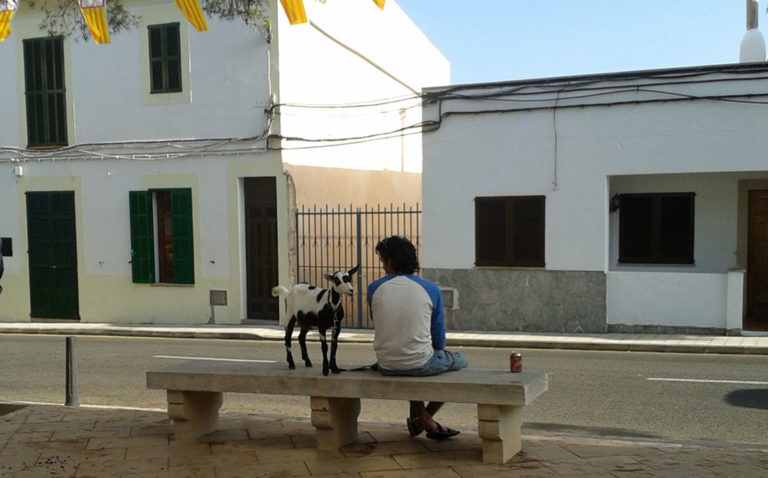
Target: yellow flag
x: 94, y: 13
x: 191, y: 10
x: 295, y: 11
x: 7, y: 7
x: 380, y: 3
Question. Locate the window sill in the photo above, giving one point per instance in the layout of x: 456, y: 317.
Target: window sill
x: 169, y: 284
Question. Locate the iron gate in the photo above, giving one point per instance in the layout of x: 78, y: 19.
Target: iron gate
x: 329, y: 240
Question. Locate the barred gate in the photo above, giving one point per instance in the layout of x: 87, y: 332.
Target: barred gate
x: 329, y: 240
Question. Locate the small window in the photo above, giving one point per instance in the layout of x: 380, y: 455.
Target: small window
x: 44, y: 92
x: 509, y: 231
x: 161, y: 220
x: 164, y: 58
x: 656, y: 228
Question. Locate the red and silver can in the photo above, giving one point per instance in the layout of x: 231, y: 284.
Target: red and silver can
x: 515, y: 362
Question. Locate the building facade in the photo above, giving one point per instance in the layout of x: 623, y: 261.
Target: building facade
x: 631, y: 202
x: 152, y: 179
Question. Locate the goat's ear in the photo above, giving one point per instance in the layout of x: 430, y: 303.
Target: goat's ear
x: 328, y: 277
x: 353, y: 270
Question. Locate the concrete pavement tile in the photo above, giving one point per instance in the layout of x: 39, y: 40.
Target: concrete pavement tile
x: 142, y: 430
x: 584, y: 450
x: 16, y: 458
x: 464, y: 441
x: 225, y: 435
x: 22, y: 436
x: 352, y: 465
x: 243, y: 459
x: 253, y: 446
x: 111, y: 467
x: 385, y: 434
x: 503, y: 471
x: 742, y: 470
x: 547, y: 451
x: 257, y: 470
x: 384, y: 448
x: 443, y: 458
x: 296, y: 454
x: 124, y: 443
x: 442, y: 472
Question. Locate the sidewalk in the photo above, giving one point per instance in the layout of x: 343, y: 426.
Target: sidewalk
x: 57, y: 441
x: 756, y: 345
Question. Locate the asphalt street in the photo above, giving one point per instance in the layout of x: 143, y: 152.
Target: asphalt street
x: 642, y: 396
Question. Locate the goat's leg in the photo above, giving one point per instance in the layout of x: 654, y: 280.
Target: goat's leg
x: 324, y: 347
x: 335, y: 346
x: 288, y: 336
x: 303, y: 345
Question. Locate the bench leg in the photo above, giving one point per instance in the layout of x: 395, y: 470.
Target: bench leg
x: 335, y: 421
x: 194, y: 413
x: 499, y: 426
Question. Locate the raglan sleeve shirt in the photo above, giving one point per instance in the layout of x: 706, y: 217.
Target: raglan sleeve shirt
x: 407, y: 313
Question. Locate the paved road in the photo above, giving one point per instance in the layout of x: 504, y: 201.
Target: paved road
x: 688, y: 397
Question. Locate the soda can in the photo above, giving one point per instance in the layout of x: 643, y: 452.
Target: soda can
x: 515, y: 362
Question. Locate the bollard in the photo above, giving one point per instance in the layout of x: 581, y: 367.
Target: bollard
x: 72, y: 399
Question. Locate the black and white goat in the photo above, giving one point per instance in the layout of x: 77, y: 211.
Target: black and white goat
x: 310, y: 306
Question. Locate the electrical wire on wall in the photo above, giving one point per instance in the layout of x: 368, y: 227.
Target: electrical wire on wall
x: 660, y: 86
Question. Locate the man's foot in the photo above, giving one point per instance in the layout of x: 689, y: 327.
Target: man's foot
x: 414, y: 426
x: 441, y: 433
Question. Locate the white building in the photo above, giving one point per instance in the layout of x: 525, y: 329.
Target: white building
x: 634, y: 201
x: 145, y: 179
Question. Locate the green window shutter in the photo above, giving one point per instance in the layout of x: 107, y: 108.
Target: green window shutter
x: 142, y: 240
x: 183, y: 245
x: 45, y: 92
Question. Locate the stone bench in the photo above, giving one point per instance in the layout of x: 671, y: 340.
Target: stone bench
x: 195, y: 391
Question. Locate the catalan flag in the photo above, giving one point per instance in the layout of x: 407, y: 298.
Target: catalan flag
x: 7, y: 7
x: 295, y: 11
x: 191, y: 10
x: 380, y: 3
x: 94, y: 13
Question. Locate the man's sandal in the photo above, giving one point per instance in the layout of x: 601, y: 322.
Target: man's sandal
x: 414, y: 426
x: 442, y: 433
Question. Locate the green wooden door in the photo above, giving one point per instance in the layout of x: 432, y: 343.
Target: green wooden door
x: 53, y: 286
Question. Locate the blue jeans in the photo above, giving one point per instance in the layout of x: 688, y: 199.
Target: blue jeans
x: 441, y: 361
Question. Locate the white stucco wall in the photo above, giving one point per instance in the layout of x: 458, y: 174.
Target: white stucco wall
x: 103, y: 235
x: 578, y: 150
x: 352, y: 53
x: 514, y: 154
x: 226, y: 87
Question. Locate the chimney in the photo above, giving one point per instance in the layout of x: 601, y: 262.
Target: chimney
x: 752, y: 47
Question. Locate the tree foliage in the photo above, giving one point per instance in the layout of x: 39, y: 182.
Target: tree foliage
x: 63, y: 17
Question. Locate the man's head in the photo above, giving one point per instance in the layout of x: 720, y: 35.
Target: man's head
x: 398, y: 254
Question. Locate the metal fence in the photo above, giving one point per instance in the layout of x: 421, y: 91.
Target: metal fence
x: 329, y: 240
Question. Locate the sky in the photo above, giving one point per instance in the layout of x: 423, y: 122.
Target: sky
x: 502, y: 40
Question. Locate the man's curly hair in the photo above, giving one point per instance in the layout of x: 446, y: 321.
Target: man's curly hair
x: 400, y: 252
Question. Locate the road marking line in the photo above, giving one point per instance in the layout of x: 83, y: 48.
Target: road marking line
x: 212, y: 358
x: 695, y: 380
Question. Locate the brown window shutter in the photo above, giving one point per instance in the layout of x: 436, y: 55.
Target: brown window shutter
x: 490, y: 231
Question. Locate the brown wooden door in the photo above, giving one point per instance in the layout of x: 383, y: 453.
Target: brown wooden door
x: 261, y: 247
x: 757, y: 262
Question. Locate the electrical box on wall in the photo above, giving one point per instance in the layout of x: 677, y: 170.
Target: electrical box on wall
x: 18, y: 171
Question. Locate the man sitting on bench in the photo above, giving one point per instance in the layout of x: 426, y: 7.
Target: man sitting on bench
x: 407, y: 314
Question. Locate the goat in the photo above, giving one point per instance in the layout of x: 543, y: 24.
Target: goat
x: 310, y: 306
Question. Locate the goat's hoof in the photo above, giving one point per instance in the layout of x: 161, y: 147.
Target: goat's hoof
x: 325, y: 371
x: 291, y: 366
x: 336, y: 370
x: 308, y: 364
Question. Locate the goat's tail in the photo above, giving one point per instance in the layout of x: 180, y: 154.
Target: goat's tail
x: 280, y: 290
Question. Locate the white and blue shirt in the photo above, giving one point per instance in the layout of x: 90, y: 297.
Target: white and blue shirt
x: 407, y: 313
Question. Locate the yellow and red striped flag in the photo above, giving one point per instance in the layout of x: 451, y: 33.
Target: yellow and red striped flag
x: 295, y: 11
x: 191, y: 10
x: 380, y: 3
x: 7, y: 7
x: 95, y: 15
